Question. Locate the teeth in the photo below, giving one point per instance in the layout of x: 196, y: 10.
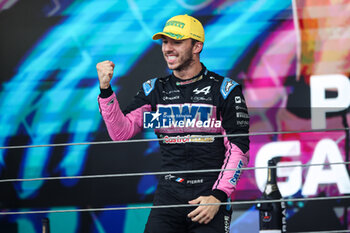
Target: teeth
x: 171, y: 57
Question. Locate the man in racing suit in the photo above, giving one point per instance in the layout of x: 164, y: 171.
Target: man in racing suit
x: 188, y: 110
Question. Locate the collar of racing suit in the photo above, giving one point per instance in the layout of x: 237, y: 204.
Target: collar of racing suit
x: 199, y: 76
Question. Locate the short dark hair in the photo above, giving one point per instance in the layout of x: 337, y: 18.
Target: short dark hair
x: 194, y: 41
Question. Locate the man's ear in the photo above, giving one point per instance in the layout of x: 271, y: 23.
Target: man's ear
x: 197, y: 47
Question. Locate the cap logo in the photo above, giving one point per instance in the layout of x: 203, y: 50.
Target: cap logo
x: 182, y: 27
x: 175, y: 24
x: 177, y: 36
x: 195, y: 35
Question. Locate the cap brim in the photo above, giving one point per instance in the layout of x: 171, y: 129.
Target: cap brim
x: 159, y: 35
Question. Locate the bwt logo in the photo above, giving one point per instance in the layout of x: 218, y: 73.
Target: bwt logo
x: 183, y: 115
x: 237, y: 174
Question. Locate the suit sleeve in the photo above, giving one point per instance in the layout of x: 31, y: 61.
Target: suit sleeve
x: 235, y: 120
x: 123, y: 125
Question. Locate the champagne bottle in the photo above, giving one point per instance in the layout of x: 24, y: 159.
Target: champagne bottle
x: 272, y: 217
x: 45, y: 225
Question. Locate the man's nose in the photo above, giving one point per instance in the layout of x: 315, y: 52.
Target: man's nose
x: 168, y: 47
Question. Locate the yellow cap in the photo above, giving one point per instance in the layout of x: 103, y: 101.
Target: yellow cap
x: 182, y: 27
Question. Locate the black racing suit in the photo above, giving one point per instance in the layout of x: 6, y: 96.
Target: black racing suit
x: 181, y: 113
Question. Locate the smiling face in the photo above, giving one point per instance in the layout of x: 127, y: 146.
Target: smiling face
x: 179, y: 54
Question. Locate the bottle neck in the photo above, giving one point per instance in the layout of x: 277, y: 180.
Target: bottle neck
x: 271, y: 175
x: 271, y: 188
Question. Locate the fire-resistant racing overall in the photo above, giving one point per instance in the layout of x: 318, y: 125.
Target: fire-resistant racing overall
x: 187, y: 114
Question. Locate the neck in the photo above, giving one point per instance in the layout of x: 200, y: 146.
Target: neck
x: 189, y: 72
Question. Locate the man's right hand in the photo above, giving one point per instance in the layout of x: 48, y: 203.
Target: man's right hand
x: 105, y: 73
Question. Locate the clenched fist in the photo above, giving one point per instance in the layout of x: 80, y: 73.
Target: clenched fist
x: 105, y: 73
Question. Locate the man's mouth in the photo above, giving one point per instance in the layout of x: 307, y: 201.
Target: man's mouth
x: 171, y: 58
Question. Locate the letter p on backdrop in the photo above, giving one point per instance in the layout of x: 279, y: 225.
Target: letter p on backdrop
x: 320, y: 105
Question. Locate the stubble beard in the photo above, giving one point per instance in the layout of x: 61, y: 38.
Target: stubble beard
x: 187, y: 62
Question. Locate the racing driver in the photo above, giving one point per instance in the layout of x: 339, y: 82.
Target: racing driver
x: 189, y: 110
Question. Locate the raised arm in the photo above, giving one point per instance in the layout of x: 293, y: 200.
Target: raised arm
x: 121, y: 125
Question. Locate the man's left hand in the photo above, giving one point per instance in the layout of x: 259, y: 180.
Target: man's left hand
x: 204, y: 214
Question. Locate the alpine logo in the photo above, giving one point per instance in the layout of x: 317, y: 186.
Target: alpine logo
x: 149, y: 83
x: 228, y: 86
x: 148, y: 86
x: 205, y: 90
